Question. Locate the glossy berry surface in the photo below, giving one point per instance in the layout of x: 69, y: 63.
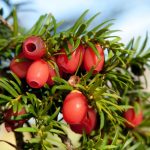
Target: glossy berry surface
x: 20, y: 67
x: 75, y: 107
x: 34, y: 47
x: 88, y: 124
x: 91, y: 60
x: 133, y: 118
x: 9, y: 118
x: 70, y: 65
x: 37, y: 74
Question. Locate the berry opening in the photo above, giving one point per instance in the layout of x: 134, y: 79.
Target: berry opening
x: 34, y: 84
x: 31, y: 47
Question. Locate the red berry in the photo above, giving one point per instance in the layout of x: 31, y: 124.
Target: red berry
x: 11, y: 124
x: 91, y: 60
x: 88, y: 124
x: 34, y: 47
x: 70, y: 65
x: 37, y: 74
x: 133, y: 118
x: 52, y: 73
x: 75, y: 107
x: 20, y: 68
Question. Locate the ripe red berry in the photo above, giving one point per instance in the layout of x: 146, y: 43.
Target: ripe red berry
x: 34, y: 47
x: 133, y: 118
x: 52, y: 73
x: 88, y: 124
x: 37, y: 74
x: 10, y: 123
x: 75, y: 107
x: 20, y: 67
x: 70, y: 65
x: 91, y: 60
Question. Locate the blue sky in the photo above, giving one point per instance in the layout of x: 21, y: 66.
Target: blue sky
x: 132, y: 16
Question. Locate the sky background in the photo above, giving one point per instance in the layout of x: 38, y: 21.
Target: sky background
x: 132, y: 16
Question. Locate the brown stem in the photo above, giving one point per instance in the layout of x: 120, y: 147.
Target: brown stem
x: 6, y: 23
x: 9, y: 144
x: 19, y: 140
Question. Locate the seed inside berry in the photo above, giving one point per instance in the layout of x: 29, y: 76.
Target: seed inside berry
x: 31, y: 47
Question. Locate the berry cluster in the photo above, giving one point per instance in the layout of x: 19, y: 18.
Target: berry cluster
x: 37, y: 68
x: 31, y: 64
x: 83, y: 117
